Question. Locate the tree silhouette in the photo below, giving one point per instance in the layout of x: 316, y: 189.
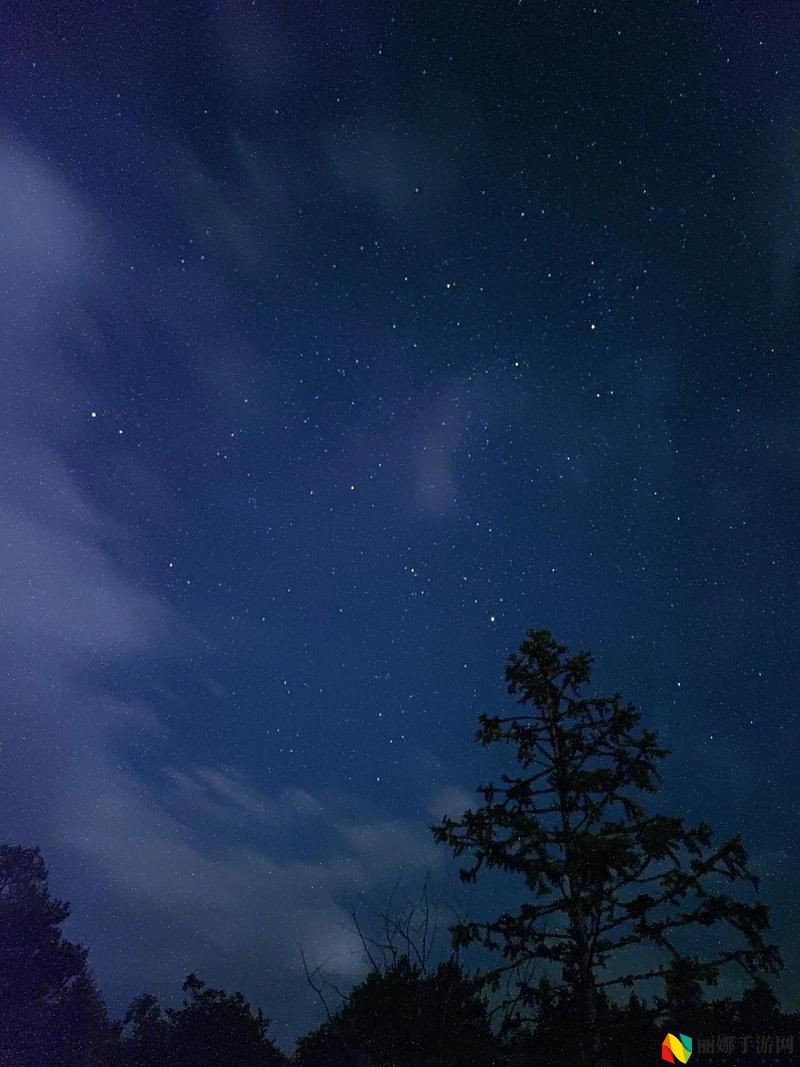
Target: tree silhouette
x: 601, y: 874
x: 211, y: 1029
x: 50, y: 1010
x: 402, y: 1016
x: 146, y: 1033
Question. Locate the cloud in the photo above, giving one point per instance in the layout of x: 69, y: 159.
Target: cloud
x: 382, y: 844
x: 168, y: 850
x: 237, y: 911
x: 176, y: 865
x: 452, y: 801
x: 46, y: 229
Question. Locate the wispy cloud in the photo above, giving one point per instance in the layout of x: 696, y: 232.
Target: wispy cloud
x: 188, y: 867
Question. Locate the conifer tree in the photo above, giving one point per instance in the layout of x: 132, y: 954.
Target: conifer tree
x: 602, y: 875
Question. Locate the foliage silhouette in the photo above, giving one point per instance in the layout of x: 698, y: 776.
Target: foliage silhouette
x: 211, y: 1029
x: 602, y: 879
x: 50, y: 1009
x: 401, y: 1016
x: 601, y: 875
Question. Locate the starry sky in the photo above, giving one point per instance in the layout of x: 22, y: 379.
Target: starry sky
x: 341, y: 344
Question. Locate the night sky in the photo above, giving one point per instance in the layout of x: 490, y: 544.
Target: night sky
x: 341, y: 344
